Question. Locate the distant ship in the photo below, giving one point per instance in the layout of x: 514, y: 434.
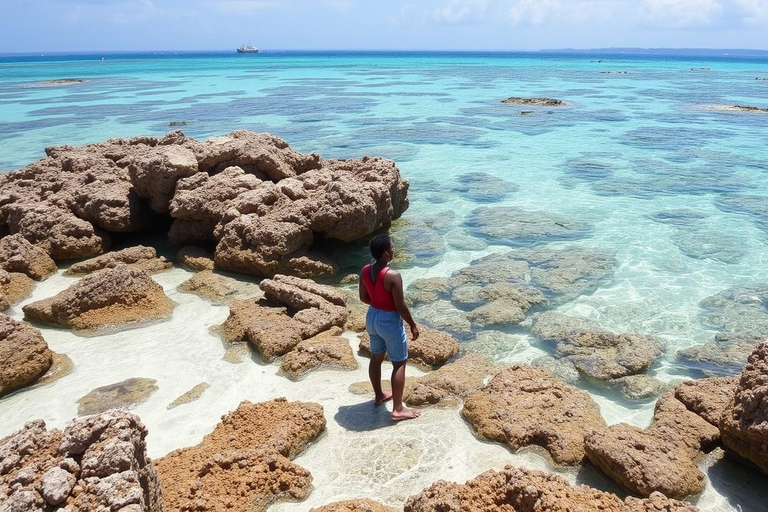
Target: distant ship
x: 246, y: 48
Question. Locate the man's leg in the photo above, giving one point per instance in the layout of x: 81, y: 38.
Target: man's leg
x: 399, y: 412
x: 374, y: 373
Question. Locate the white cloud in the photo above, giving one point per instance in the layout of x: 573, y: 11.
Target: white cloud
x: 245, y: 6
x: 339, y: 5
x: 565, y: 12
x: 461, y: 11
x: 680, y: 13
x: 754, y: 12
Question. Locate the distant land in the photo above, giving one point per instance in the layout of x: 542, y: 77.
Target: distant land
x: 708, y: 52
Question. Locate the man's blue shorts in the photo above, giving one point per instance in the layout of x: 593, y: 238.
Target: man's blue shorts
x: 387, y: 333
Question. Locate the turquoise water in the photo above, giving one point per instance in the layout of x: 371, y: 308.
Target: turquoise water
x: 675, y: 189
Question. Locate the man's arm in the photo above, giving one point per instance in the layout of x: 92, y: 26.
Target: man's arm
x: 362, y: 292
x: 398, y: 296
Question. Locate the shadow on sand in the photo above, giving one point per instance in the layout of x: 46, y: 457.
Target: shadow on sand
x: 364, y: 416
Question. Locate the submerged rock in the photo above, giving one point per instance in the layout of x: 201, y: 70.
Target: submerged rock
x: 327, y: 350
x: 13, y: 287
x: 709, y: 244
x: 121, y: 395
x: 533, y: 102
x: 18, y: 255
x: 744, y: 422
x: 433, y: 348
x: 663, y: 457
x: 726, y: 354
x: 97, y: 463
x: 112, y: 296
x: 138, y: 258
x: 597, y: 354
x: 190, y: 396
x: 484, y: 187
x: 24, y: 353
x: 525, y: 490
x: 419, y: 246
x: 524, y: 406
x: 740, y: 310
x: 260, y: 202
x: 218, y: 287
x: 452, y: 382
x: 244, y: 464
x: 638, y: 387
x: 512, y: 226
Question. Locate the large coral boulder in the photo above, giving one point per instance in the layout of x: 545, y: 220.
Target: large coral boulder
x: 359, y: 505
x: 138, y: 257
x: 244, y: 464
x: 664, y: 457
x: 744, y: 423
x: 112, y: 296
x: 523, y: 490
x: 431, y: 350
x: 97, y: 463
x: 524, y: 406
x: 327, y: 350
x: 18, y: 255
x: 24, y: 353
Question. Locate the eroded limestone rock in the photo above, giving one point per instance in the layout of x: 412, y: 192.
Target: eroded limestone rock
x: 195, y: 258
x: 24, y: 354
x: 432, y: 350
x: 523, y: 405
x: 121, y: 395
x: 451, y: 383
x: 328, y: 350
x: 359, y: 505
x: 524, y: 490
x: 244, y: 464
x: 18, y: 255
x: 97, y: 463
x: 744, y: 423
x: 138, y: 258
x: 14, y: 286
x: 112, y: 296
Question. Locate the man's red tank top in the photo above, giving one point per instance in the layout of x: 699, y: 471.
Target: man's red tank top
x: 380, y: 297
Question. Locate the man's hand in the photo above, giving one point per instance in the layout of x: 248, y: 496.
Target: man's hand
x: 414, y: 332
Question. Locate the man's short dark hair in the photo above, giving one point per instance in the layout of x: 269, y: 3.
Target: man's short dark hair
x: 380, y: 244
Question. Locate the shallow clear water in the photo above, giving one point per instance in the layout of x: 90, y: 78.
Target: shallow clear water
x: 625, y: 148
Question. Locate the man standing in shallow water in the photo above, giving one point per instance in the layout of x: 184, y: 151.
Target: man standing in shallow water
x: 382, y: 289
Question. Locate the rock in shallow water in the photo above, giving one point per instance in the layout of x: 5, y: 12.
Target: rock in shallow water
x: 524, y: 406
x: 243, y: 465
x: 328, y: 350
x: 190, y: 396
x: 360, y: 505
x: 14, y: 286
x: 524, y: 490
x: 121, y: 395
x: 97, y: 463
x: 513, y: 226
x: 138, y: 258
x: 112, y: 296
x: 484, y: 187
x: 24, y: 354
x: 432, y: 350
x: 18, y: 255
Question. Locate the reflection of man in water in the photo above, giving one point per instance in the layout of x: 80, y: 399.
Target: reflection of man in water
x: 382, y: 289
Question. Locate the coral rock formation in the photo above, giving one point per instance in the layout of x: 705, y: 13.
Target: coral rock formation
x: 260, y: 202
x: 138, y: 258
x: 453, y: 381
x: 524, y: 406
x: 18, y: 255
x: 523, y: 490
x: 24, y: 353
x: 744, y: 423
x: 359, y: 505
x: 14, y: 286
x: 119, y: 395
x: 111, y: 296
x: 97, y: 463
x: 195, y: 258
x: 432, y: 350
x: 243, y: 465
x: 663, y: 457
x: 327, y: 350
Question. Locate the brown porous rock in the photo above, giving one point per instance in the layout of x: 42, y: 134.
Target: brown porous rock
x: 195, y: 258
x: 358, y: 505
x: 244, y: 464
x: 663, y: 457
x: 138, y: 258
x: 262, y: 204
x: 14, y: 286
x: 112, y: 296
x: 328, y: 350
x: 97, y: 463
x: 24, y: 353
x: 523, y: 405
x: 432, y: 350
x: 450, y: 383
x: 524, y: 490
x: 18, y: 255
x: 744, y: 423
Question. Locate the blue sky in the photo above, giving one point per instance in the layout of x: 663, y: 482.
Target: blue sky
x: 107, y: 25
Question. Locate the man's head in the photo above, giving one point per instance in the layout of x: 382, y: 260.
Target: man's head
x: 380, y: 245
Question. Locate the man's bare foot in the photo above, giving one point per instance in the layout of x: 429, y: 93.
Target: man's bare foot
x: 405, y: 414
x: 385, y: 395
